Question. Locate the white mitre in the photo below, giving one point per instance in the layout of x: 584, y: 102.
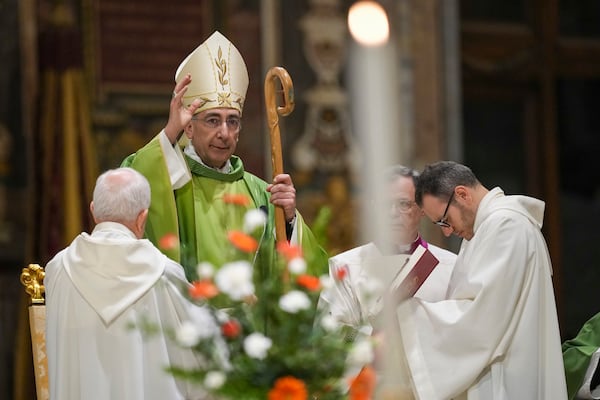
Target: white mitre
x: 219, y: 75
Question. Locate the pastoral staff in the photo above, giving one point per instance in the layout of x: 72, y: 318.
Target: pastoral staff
x: 192, y: 182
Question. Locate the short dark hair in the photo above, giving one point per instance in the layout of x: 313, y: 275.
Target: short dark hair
x: 439, y: 180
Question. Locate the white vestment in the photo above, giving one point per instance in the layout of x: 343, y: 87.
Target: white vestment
x: 96, y: 290
x: 496, y: 337
x: 350, y: 300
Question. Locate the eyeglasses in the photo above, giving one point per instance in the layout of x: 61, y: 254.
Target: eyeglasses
x: 443, y: 222
x: 212, y: 122
x: 402, y: 205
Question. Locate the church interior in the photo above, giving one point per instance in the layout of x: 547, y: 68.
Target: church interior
x: 508, y: 87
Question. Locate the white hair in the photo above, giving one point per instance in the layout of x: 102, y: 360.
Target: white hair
x: 120, y: 195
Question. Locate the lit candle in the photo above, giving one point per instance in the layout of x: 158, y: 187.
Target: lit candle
x: 368, y: 23
x: 375, y: 110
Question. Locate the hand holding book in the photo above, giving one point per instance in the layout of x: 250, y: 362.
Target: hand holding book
x: 413, y: 274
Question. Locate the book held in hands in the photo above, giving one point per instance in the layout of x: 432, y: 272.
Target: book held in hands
x: 400, y: 275
x: 413, y: 274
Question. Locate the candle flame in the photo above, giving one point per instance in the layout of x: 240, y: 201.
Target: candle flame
x: 368, y: 23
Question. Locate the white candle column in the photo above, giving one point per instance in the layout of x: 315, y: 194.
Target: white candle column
x: 375, y: 110
x: 375, y: 113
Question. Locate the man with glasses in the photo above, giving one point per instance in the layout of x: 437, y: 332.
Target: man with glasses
x: 350, y: 299
x: 496, y: 335
x: 193, y: 186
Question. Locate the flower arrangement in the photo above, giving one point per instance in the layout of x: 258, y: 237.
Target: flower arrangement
x: 277, y: 344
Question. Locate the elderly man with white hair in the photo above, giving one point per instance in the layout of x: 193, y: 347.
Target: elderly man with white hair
x: 103, y: 289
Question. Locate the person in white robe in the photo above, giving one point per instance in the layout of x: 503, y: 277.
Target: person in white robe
x: 496, y: 336
x: 102, y: 289
x: 352, y: 300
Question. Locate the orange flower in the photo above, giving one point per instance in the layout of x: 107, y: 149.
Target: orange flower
x: 203, y: 289
x: 341, y: 272
x: 168, y: 242
x: 363, y: 385
x: 231, y: 328
x: 289, y: 251
x: 237, y: 199
x: 288, y: 388
x: 309, y: 282
x: 243, y: 241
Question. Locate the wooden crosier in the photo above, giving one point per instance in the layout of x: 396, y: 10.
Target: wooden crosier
x: 273, y: 112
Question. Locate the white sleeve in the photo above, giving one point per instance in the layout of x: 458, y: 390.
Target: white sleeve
x: 585, y: 392
x: 178, y: 170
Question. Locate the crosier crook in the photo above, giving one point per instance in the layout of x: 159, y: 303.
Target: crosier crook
x: 273, y: 112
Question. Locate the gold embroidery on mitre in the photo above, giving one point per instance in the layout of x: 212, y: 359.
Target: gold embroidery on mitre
x: 224, y: 99
x: 203, y: 100
x: 240, y: 102
x: 220, y: 77
x: 222, y: 66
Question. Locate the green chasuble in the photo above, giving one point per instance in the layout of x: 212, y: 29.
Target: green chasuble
x: 577, y: 353
x: 198, y: 216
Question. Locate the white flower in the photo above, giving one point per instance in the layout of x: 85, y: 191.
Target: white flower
x: 204, y: 323
x: 254, y: 219
x: 361, y: 353
x: 256, y: 345
x: 343, y: 384
x: 235, y: 280
x: 187, y: 335
x: 205, y: 270
x: 221, y: 316
x: 329, y: 323
x: 297, y: 265
x: 214, y: 379
x: 326, y: 282
x: 294, y: 301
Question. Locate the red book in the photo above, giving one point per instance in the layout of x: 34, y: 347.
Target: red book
x: 415, y: 271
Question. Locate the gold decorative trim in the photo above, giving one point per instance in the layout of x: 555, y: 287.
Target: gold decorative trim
x: 32, y: 277
x: 224, y: 99
x: 222, y: 66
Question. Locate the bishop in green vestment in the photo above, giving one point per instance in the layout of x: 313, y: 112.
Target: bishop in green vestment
x: 581, y: 355
x: 190, y: 182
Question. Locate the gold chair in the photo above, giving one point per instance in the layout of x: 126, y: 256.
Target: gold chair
x: 32, y: 278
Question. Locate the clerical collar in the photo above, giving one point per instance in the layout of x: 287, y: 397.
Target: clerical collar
x: 410, y: 248
x: 191, y: 153
x: 197, y: 167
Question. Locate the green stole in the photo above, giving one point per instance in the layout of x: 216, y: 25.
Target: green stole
x: 201, y: 200
x: 577, y: 353
x: 199, y: 218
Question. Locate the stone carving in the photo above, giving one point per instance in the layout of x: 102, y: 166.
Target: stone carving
x: 326, y: 144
